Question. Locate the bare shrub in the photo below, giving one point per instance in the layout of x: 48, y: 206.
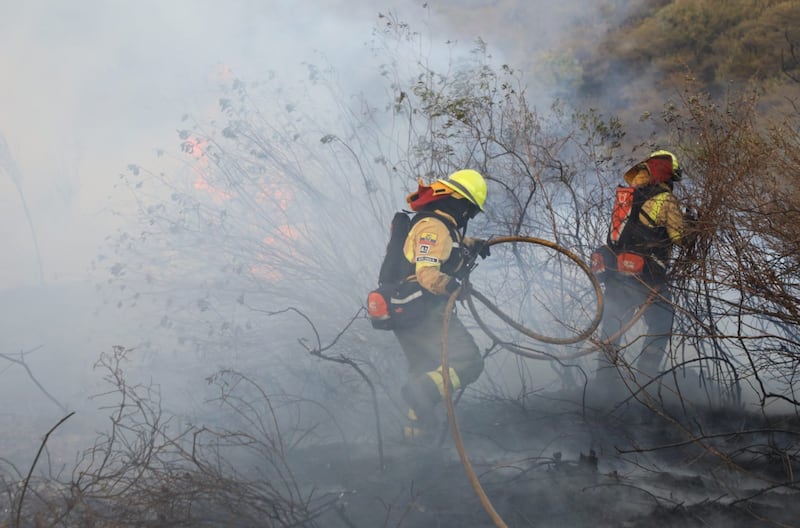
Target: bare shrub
x: 147, y: 470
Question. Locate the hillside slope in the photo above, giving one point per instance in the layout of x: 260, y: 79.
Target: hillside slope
x: 628, y: 58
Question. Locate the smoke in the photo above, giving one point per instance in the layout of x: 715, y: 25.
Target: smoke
x: 98, y: 87
x: 92, y: 87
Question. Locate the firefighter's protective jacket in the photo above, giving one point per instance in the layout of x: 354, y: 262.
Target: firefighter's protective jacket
x: 430, y: 246
x: 661, y: 210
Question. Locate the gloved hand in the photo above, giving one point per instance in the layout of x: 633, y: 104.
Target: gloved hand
x: 484, y: 249
x: 452, y: 285
x: 481, y: 246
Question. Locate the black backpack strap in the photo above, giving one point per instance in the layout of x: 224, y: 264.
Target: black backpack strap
x: 454, y: 233
x: 641, y: 196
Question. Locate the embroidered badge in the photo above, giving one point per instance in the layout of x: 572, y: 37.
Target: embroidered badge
x: 424, y: 249
x: 428, y: 238
x: 432, y: 260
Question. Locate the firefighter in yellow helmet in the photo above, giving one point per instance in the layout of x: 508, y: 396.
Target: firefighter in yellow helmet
x: 646, y: 223
x: 438, y: 250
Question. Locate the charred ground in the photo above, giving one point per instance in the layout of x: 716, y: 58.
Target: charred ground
x: 556, y: 463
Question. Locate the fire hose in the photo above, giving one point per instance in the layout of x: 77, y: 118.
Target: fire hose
x: 447, y: 396
x: 579, y: 336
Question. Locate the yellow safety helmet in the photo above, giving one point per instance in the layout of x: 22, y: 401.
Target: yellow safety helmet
x: 469, y: 184
x: 677, y: 173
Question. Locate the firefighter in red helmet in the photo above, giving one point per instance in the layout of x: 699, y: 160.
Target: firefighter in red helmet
x: 646, y: 223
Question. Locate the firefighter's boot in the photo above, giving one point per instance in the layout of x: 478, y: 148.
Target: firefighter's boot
x: 413, y: 429
x: 422, y: 394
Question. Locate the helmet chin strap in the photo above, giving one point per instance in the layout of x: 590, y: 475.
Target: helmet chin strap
x: 463, y: 211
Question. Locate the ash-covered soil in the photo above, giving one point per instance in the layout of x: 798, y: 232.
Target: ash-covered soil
x: 548, y: 460
x: 553, y: 462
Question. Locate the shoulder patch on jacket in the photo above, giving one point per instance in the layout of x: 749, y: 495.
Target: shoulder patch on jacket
x: 428, y: 238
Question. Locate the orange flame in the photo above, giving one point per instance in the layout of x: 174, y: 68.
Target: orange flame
x: 196, y: 148
x: 282, y: 237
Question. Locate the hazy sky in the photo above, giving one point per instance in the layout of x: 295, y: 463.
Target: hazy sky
x: 90, y: 86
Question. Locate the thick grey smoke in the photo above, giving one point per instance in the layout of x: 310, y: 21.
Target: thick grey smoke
x: 92, y: 86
